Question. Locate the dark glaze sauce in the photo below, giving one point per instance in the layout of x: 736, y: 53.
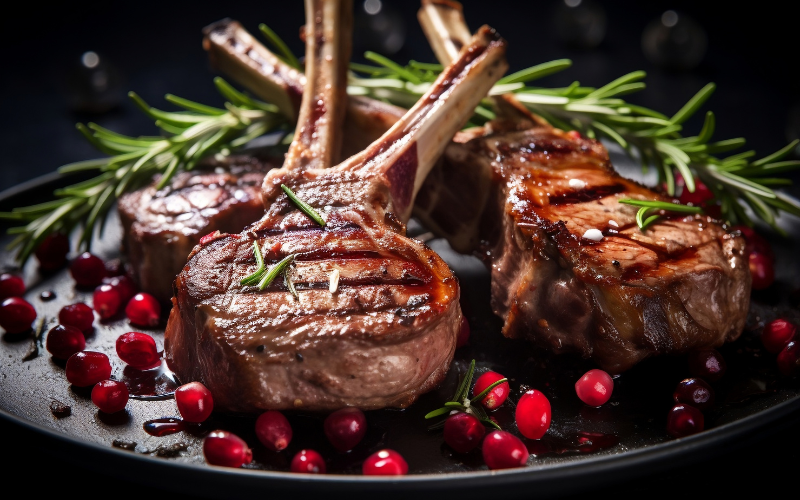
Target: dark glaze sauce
x: 154, y: 384
x: 165, y: 426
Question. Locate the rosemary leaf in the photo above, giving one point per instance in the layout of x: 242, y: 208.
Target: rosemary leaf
x: 303, y: 206
x: 276, y: 270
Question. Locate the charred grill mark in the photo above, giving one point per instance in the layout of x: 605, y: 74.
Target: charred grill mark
x: 348, y: 229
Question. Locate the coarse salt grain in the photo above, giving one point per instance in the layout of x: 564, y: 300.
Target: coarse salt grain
x: 613, y: 223
x: 334, y: 281
x: 576, y: 184
x: 593, y: 234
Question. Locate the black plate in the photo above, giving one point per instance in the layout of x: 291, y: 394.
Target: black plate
x: 751, y: 398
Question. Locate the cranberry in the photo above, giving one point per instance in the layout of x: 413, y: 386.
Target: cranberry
x: 11, y: 286
x: 143, y: 310
x: 226, y: 449
x: 595, y: 387
x: 463, y: 333
x: 345, y: 428
x: 273, y: 430
x: 78, y: 315
x: 16, y: 315
x: 308, y: 462
x: 503, y: 450
x: 497, y: 395
x: 52, y: 252
x: 777, y: 334
x: 463, y: 432
x: 695, y: 392
x: 684, y: 420
x: 701, y: 194
x: 385, y: 463
x: 707, y: 364
x: 106, y: 301
x: 194, y: 401
x: 533, y: 414
x: 762, y: 270
x: 87, y: 270
x: 64, y: 341
x: 114, y: 268
x: 754, y: 242
x: 87, y: 368
x: 138, y: 350
x: 789, y: 358
x: 123, y: 285
x: 110, y: 396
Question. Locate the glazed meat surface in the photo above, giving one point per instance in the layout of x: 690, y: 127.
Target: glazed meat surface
x: 376, y: 316
x: 161, y: 227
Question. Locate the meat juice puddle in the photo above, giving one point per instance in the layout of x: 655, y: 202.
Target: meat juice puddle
x: 155, y: 384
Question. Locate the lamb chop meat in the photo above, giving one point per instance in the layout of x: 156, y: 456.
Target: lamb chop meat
x: 681, y: 284
x: 376, y: 317
x: 160, y: 227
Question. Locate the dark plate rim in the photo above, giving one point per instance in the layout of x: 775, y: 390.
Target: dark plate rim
x: 591, y: 468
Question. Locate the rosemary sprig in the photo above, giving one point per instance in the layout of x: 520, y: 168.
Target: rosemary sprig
x: 461, y: 402
x: 648, y: 136
x: 303, y: 206
x: 188, y: 136
x: 263, y: 277
x: 648, y: 206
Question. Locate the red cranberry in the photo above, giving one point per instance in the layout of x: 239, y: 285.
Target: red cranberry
x: 533, y: 414
x: 595, y: 387
x: 707, y: 364
x: 701, y: 193
x: 138, y: 350
x: 226, y: 449
x: 64, y: 341
x: 143, y: 310
x: 273, y: 430
x: 88, y: 270
x: 16, y: 315
x: 52, y: 252
x: 110, y: 396
x: 385, y: 463
x: 503, y: 450
x: 78, y: 315
x: 789, y: 359
x: 194, y: 401
x: 762, y: 270
x: 308, y: 462
x: 777, y: 334
x: 11, y: 286
x: 106, y: 301
x: 695, y: 392
x: 496, y: 396
x: 463, y: 432
x: 124, y: 285
x: 463, y: 333
x: 87, y: 368
x: 345, y: 428
x: 684, y: 420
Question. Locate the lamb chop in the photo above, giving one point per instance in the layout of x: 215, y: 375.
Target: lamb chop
x: 681, y: 284
x: 375, y: 319
x: 160, y: 227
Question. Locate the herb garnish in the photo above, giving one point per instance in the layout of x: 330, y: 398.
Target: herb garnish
x: 460, y: 401
x: 263, y: 277
x: 648, y: 206
x: 305, y: 207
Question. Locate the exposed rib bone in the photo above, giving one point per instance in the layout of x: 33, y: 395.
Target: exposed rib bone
x: 445, y: 28
x: 317, y: 138
x: 407, y: 152
x: 233, y: 51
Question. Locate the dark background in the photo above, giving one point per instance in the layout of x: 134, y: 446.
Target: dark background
x: 154, y: 48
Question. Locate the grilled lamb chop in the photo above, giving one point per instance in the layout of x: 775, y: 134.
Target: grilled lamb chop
x: 160, y: 227
x: 681, y: 284
x: 381, y: 333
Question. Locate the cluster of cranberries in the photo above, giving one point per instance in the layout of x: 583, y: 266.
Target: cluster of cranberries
x: 780, y: 337
x: 344, y: 429
x: 694, y: 395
